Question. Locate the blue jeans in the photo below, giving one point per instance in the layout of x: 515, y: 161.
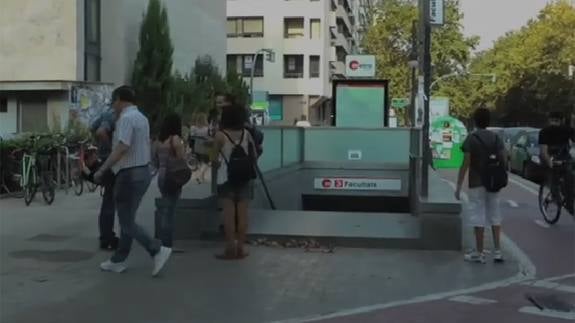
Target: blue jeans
x: 165, y: 217
x: 130, y: 186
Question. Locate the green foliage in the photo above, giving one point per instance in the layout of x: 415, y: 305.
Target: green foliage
x: 152, y: 74
x: 196, y: 91
x: 390, y: 39
x: 531, y: 66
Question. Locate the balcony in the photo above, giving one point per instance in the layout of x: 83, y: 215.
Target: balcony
x: 337, y: 69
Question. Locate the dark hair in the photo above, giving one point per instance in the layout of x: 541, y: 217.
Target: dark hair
x: 228, y: 97
x: 171, y: 126
x: 124, y: 93
x: 482, y: 118
x: 233, y: 117
x: 556, y: 115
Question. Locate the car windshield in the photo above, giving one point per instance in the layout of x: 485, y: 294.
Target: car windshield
x: 534, y: 139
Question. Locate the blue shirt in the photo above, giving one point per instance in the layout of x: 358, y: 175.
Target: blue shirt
x: 107, y: 121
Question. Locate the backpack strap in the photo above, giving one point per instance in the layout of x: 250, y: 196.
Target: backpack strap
x: 233, y: 143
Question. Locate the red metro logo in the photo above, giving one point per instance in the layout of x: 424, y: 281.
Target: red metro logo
x: 326, y: 183
x: 354, y: 65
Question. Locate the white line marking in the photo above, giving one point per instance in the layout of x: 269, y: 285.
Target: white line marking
x: 525, y: 187
x: 512, y: 204
x: 542, y: 224
x: 526, y: 272
x: 554, y: 286
x: 552, y: 279
x: 472, y: 300
x: 547, y: 313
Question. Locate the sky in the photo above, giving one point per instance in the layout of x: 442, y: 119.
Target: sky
x: 491, y: 19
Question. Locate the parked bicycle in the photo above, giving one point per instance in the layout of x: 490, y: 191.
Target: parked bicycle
x: 37, y: 171
x: 77, y: 165
x: 551, y: 204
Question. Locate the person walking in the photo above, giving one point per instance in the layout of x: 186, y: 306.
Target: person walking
x: 129, y: 160
x: 236, y: 160
x: 169, y: 146
x: 103, y: 129
x: 482, y: 149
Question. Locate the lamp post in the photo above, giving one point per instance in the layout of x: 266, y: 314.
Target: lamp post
x: 270, y: 57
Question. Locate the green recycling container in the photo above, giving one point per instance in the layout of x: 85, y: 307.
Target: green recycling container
x: 447, y: 135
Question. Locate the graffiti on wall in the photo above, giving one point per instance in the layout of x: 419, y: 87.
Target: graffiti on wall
x: 87, y: 102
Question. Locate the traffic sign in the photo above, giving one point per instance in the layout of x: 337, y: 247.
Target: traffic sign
x: 437, y: 12
x: 399, y: 103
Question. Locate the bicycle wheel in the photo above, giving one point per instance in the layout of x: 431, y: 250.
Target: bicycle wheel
x: 78, y: 184
x: 30, y: 187
x: 548, y: 205
x: 48, y: 191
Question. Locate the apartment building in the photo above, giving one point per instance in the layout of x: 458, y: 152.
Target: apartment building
x: 310, y: 39
x: 61, y: 58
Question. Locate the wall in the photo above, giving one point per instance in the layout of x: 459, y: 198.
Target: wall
x: 294, y: 107
x: 9, y: 120
x: 274, y: 12
x: 197, y: 27
x: 38, y: 40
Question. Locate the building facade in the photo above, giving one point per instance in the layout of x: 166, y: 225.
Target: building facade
x: 310, y: 39
x: 61, y: 56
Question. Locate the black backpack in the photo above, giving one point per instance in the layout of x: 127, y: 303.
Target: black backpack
x: 241, y: 165
x: 493, y: 173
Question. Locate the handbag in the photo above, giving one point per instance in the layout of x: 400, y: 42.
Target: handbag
x: 178, y: 173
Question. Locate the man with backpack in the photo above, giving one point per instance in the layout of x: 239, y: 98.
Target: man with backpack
x: 486, y: 162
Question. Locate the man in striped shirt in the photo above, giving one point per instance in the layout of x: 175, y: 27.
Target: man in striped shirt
x: 129, y: 160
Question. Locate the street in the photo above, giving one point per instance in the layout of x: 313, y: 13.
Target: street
x: 550, y: 250
x: 49, y: 264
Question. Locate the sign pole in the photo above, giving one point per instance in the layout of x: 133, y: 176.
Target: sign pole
x: 425, y: 71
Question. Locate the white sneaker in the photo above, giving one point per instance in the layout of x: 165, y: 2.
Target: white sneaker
x: 116, y: 267
x: 160, y: 259
x: 475, y: 256
x: 497, y: 256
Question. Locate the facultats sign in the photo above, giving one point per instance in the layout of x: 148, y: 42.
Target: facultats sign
x: 356, y: 184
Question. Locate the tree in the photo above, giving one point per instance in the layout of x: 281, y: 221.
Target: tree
x: 532, y: 68
x: 390, y: 40
x: 152, y: 73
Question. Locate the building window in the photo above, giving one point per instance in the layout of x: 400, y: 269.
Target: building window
x: 92, y: 33
x: 3, y: 105
x: 293, y: 27
x: 293, y: 66
x: 246, y: 27
x: 242, y: 65
x: 232, y: 64
x: 314, y: 66
x: 315, y: 29
x: 247, y: 61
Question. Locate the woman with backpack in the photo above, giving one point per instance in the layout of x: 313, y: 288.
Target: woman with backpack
x: 169, y: 159
x: 236, y: 160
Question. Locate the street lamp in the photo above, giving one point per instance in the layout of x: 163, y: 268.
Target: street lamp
x: 270, y: 57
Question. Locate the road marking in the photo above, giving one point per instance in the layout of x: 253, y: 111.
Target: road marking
x: 551, y: 285
x: 525, y: 187
x: 548, y: 313
x: 468, y: 299
x: 542, y: 224
x: 526, y: 272
x: 512, y: 204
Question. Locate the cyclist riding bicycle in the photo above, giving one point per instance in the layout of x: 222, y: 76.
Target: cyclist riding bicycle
x: 555, y: 155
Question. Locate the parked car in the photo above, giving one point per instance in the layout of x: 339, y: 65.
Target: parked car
x: 524, y: 157
x: 510, y: 135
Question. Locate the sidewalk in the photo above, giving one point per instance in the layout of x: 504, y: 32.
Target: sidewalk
x: 49, y: 273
